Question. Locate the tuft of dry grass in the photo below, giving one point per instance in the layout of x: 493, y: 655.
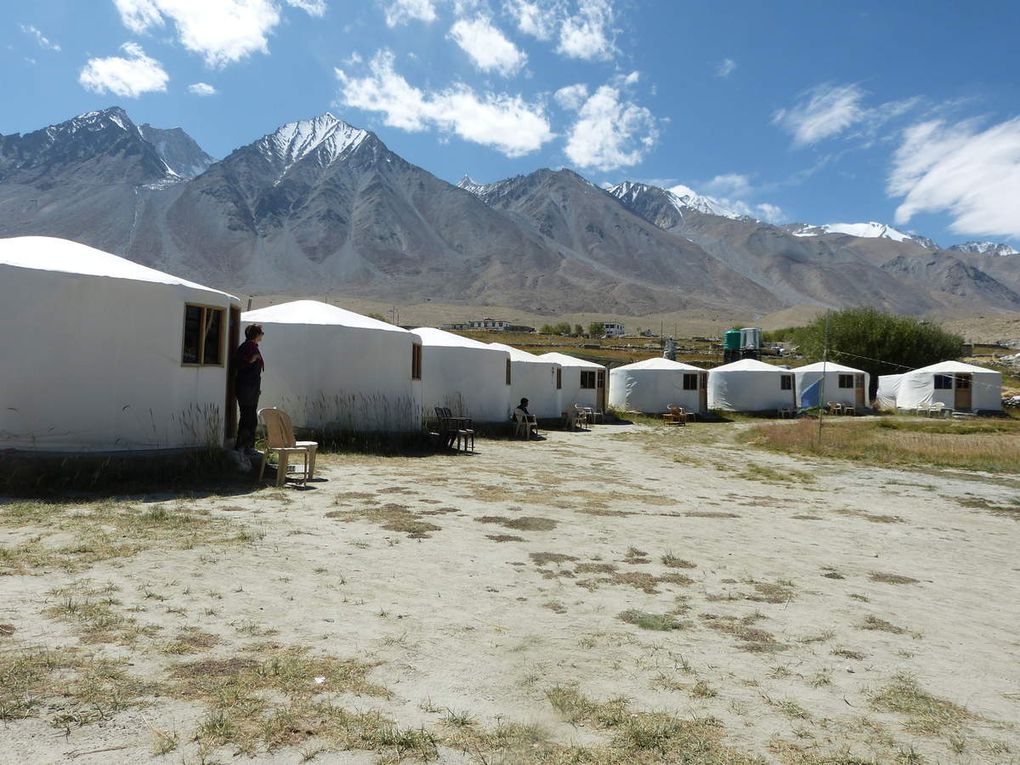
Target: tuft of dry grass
x: 190, y: 640
x: 649, y: 621
x: 926, y: 714
x: 522, y: 523
x: 878, y: 576
x: 504, y: 538
x: 751, y: 639
x: 673, y: 561
x: 545, y: 558
x: 392, y: 517
x: 881, y: 625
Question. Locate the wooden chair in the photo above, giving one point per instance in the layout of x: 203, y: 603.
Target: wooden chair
x: 457, y: 430
x: 675, y: 415
x: 280, y: 441
x: 580, y: 417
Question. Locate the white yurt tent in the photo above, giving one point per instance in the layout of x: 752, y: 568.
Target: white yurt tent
x: 332, y: 369
x: 749, y: 385
x: 955, y: 385
x: 533, y: 378
x: 888, y: 391
x: 582, y: 382
x: 825, y: 382
x: 470, y: 378
x: 103, y: 354
x: 652, y: 385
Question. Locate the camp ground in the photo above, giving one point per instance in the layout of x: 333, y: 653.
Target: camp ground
x: 583, y: 383
x: 749, y: 385
x: 535, y: 379
x: 333, y: 369
x: 469, y: 378
x: 827, y: 383
x: 102, y: 354
x: 652, y: 386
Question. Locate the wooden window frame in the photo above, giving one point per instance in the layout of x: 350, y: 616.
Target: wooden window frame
x: 844, y: 378
x: 559, y: 378
x: 203, y: 321
x: 509, y: 372
x: 587, y: 374
x: 690, y: 380
x: 786, y: 382
x: 943, y: 382
x: 415, y: 361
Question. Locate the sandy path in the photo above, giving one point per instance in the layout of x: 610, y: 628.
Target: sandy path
x: 783, y: 576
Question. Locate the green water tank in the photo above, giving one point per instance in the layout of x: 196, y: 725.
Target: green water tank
x: 732, y: 340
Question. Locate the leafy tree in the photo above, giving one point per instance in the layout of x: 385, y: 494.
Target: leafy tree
x: 596, y: 329
x: 547, y: 329
x: 878, y: 343
x: 578, y: 330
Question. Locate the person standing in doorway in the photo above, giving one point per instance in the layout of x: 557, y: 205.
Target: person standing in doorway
x: 248, y: 365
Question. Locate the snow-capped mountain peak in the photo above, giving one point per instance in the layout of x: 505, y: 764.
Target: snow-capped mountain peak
x: 682, y: 198
x: 869, y: 230
x: 325, y: 135
x: 986, y: 248
x: 469, y: 184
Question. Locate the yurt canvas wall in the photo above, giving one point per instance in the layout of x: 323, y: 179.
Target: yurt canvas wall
x: 842, y: 385
x: 750, y: 386
x: 534, y: 379
x: 888, y: 391
x: 651, y: 386
x: 582, y: 382
x: 332, y: 369
x: 953, y: 384
x: 468, y: 377
x: 103, y: 354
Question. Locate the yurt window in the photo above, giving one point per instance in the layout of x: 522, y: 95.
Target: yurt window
x: 203, y: 335
x: 588, y: 380
x: 559, y: 378
x: 508, y: 371
x: 415, y: 361
x: 690, y: 381
x: 943, y: 382
x: 786, y: 382
x: 846, y: 381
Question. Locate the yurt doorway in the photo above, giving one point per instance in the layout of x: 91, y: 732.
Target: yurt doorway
x: 702, y: 391
x: 859, y: 392
x: 961, y: 393
x: 600, y: 392
x: 230, y: 408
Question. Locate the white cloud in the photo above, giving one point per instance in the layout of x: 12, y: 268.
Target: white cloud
x: 311, y: 7
x: 969, y: 172
x: 732, y: 184
x: 128, y: 77
x: 402, y: 11
x: 726, y: 67
x: 537, y: 19
x: 572, y: 96
x: 221, y: 31
x: 587, y: 34
x: 610, y: 131
x: 823, y: 111
x: 506, y: 123
x: 202, y: 89
x: 487, y: 46
x: 44, y: 42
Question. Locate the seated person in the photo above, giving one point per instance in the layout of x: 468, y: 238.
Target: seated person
x: 522, y: 414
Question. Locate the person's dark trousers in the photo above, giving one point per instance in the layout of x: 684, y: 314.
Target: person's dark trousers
x: 248, y: 402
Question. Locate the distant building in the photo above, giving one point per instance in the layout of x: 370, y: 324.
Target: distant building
x: 490, y: 325
x: 613, y: 328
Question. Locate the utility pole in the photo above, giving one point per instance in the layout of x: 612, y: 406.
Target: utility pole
x: 821, y: 390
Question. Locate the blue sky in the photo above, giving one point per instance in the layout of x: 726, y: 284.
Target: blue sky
x: 905, y: 113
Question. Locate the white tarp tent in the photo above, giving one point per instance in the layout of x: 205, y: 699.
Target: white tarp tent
x: 103, y: 354
x: 332, y: 369
x: 955, y: 385
x: 468, y: 377
x: 534, y: 379
x: 582, y: 382
x: 888, y: 390
x: 652, y: 385
x: 750, y: 386
x: 841, y: 385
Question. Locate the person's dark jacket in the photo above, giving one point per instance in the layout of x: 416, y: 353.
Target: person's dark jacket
x: 248, y: 364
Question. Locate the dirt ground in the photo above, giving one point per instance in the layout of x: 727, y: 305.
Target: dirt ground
x: 629, y: 594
